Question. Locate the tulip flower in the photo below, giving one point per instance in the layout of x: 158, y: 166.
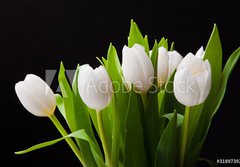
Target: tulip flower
x: 192, y: 81
x: 95, y: 87
x: 174, y: 60
x: 162, y: 66
x: 137, y: 68
x: 36, y: 96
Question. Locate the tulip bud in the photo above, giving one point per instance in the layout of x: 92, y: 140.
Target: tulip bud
x: 137, y: 68
x: 174, y: 59
x: 162, y: 66
x: 36, y: 96
x: 192, y: 81
x: 95, y: 87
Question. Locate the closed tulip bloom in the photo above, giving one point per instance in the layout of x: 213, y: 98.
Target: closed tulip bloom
x: 95, y: 87
x: 192, y: 81
x: 174, y: 60
x: 162, y: 66
x: 36, y: 96
x: 137, y: 68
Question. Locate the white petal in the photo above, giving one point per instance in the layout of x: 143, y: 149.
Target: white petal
x: 174, y: 60
x: 94, y: 87
x: 137, y: 68
x: 42, y: 92
x: 186, y: 89
x: 200, y: 53
x: 36, y: 96
x: 131, y: 67
x: 186, y: 61
x: 146, y: 77
x: 162, y: 66
x: 196, y: 66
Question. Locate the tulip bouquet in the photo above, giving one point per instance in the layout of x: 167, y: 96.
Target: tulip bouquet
x: 153, y: 109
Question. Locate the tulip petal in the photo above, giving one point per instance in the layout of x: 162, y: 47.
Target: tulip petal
x: 27, y: 99
x: 174, y: 60
x: 42, y: 92
x: 147, y: 67
x: 200, y: 53
x: 162, y: 67
x: 94, y: 87
x: 186, y: 89
x: 186, y: 61
x: 131, y: 66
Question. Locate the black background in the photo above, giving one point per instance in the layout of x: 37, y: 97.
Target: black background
x: 37, y: 34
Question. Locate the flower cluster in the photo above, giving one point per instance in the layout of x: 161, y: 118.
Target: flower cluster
x: 148, y: 120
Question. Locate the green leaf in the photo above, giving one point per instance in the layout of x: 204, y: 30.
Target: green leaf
x: 120, y: 96
x: 134, y: 155
x: 76, y: 113
x: 172, y: 46
x: 180, y: 117
x: 60, y: 105
x: 214, y: 55
x: 154, y: 57
x: 80, y: 134
x: 167, y: 148
x: 136, y: 37
x: 161, y: 42
x: 39, y: 146
x: 146, y: 44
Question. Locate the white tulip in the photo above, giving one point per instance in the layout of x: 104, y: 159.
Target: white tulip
x: 162, y: 66
x: 192, y: 81
x: 95, y: 87
x: 174, y: 60
x: 137, y: 68
x: 36, y: 96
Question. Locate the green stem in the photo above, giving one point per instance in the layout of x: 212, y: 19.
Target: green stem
x: 70, y: 142
x: 184, y: 135
x: 103, y: 138
x: 116, y: 138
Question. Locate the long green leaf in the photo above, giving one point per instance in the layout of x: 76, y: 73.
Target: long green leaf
x: 134, y: 155
x: 167, y: 148
x: 120, y: 98
x: 76, y: 113
x: 80, y: 134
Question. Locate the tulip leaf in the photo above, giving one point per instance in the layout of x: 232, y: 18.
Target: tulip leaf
x: 167, y: 148
x: 180, y: 117
x: 163, y: 43
x: 154, y: 57
x: 60, y: 105
x: 80, y: 134
x: 151, y: 125
x: 172, y: 46
x: 76, y: 113
x: 136, y: 37
x: 134, y: 155
x: 119, y: 110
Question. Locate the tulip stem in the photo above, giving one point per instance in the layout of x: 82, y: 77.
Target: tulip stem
x: 184, y: 135
x: 103, y: 138
x: 70, y: 142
